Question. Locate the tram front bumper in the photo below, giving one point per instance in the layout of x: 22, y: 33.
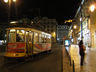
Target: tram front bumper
x: 14, y: 55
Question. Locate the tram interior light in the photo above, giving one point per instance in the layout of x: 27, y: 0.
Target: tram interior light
x: 20, y: 31
x: 49, y: 36
x: 23, y: 31
x: 36, y: 34
x: 12, y: 30
x: 42, y: 32
x: 26, y: 32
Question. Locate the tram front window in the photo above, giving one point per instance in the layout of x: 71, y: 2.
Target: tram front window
x: 20, y: 36
x: 11, y: 37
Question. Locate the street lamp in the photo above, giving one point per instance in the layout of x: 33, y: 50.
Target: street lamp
x: 9, y: 6
x: 92, y: 8
x: 14, y: 0
x: 75, y: 27
x: 75, y: 30
x: 6, y: 1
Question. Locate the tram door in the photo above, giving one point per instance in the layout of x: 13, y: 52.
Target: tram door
x: 29, y: 39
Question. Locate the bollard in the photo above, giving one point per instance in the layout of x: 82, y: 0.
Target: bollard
x: 68, y: 56
x: 73, y: 66
x: 70, y: 59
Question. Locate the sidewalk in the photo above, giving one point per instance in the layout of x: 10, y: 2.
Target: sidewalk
x: 66, y: 62
x: 89, y: 62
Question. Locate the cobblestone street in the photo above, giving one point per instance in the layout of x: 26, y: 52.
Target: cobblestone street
x: 89, y: 62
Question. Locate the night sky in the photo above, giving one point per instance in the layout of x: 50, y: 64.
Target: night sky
x: 61, y: 10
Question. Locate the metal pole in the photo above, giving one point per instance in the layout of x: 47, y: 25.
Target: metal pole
x: 81, y: 25
x: 9, y: 5
x: 16, y: 11
x: 81, y: 31
x: 73, y: 66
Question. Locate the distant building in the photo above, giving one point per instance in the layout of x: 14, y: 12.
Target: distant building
x: 85, y: 19
x: 62, y: 32
x: 45, y: 24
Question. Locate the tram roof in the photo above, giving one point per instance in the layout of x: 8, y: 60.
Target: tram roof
x: 27, y: 29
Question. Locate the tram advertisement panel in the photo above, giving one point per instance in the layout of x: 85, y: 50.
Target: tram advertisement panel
x: 14, y: 50
x: 16, y: 47
x: 41, y: 47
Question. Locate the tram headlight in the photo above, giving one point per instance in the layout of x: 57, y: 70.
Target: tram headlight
x: 14, y: 54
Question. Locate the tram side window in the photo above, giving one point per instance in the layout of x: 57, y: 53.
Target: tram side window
x: 45, y: 39
x: 20, y: 36
x: 30, y: 36
x: 36, y: 37
x: 40, y: 38
x: 49, y: 39
x: 11, y: 36
x: 27, y: 36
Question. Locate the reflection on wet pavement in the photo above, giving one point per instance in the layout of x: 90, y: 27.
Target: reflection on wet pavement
x: 89, y: 62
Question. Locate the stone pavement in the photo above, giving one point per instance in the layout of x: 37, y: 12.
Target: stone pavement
x: 89, y: 62
x: 66, y: 61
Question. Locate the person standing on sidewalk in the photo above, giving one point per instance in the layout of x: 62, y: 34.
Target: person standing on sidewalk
x: 81, y: 52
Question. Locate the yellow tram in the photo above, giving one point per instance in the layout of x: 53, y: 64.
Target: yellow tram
x: 24, y: 42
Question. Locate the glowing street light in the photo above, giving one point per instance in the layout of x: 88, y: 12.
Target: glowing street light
x: 6, y: 1
x: 9, y: 7
x: 75, y: 27
x: 92, y: 8
x: 14, y: 0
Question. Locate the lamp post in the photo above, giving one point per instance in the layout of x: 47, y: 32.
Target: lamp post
x: 81, y: 24
x: 9, y: 7
x: 81, y: 28
x: 74, y: 33
x: 92, y: 8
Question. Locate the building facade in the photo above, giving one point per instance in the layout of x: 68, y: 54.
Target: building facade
x: 85, y: 20
x: 46, y: 24
x: 62, y: 32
